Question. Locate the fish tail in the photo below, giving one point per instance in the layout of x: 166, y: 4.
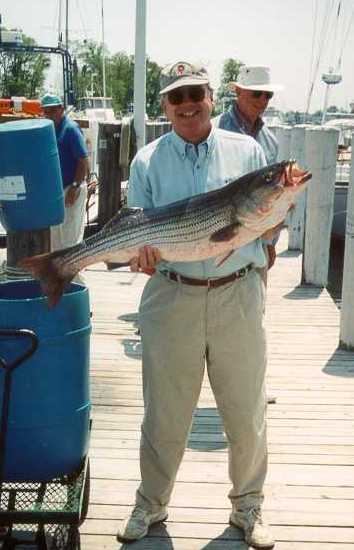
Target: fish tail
x: 48, y: 269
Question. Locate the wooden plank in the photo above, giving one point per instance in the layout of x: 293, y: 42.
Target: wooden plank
x: 310, y: 484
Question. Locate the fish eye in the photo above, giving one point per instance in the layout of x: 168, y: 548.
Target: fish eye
x: 269, y: 177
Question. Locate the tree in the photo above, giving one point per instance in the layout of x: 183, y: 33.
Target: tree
x: 22, y: 73
x: 119, y: 77
x: 231, y: 68
x: 153, y: 105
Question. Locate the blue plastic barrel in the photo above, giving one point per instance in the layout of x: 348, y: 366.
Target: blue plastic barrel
x: 31, y: 190
x: 48, y: 431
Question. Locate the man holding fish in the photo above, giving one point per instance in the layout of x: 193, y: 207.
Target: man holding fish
x: 200, y: 200
x: 193, y: 313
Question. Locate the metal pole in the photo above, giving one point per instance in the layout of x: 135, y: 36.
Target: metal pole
x: 67, y: 25
x: 140, y: 73
x: 103, y: 58
x: 324, y: 113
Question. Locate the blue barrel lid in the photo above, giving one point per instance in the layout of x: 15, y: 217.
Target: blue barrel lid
x: 25, y: 125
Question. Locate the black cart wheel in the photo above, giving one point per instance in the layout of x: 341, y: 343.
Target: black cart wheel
x: 73, y: 539
x: 86, y: 494
x: 66, y: 537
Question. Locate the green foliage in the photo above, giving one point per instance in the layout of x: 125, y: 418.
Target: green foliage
x: 230, y: 70
x: 119, y: 77
x: 22, y: 73
x: 153, y: 107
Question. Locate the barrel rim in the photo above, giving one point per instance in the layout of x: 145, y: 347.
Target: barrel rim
x: 41, y: 297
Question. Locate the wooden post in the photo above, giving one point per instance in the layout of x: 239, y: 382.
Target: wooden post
x: 296, y: 217
x: 125, y: 146
x: 283, y: 135
x: 321, y: 154
x: 347, y: 307
x: 110, y: 172
x: 21, y: 244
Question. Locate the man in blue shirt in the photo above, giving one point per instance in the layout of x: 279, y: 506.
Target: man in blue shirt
x: 195, y: 314
x: 254, y: 89
x: 74, y: 166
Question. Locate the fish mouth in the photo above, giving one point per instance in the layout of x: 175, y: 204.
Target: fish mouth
x: 293, y: 175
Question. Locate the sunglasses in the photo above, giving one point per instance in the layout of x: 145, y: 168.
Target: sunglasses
x: 258, y: 93
x: 193, y: 93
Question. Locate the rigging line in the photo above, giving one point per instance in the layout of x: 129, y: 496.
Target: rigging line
x: 346, y: 36
x: 323, y: 34
x: 322, y: 38
x: 315, y: 12
x: 314, y: 35
x: 84, y: 28
x: 335, y: 34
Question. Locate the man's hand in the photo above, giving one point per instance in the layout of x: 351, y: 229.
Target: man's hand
x: 146, y: 261
x: 72, y: 195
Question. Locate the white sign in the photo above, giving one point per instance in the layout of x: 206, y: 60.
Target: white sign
x: 11, y: 187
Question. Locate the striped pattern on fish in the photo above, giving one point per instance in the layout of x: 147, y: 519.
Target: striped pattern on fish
x: 207, y: 225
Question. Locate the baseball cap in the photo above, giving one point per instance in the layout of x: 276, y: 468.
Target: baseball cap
x: 51, y: 100
x: 180, y: 74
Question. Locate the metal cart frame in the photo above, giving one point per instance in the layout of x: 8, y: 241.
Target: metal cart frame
x: 46, y: 515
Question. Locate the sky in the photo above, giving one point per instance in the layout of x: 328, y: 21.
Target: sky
x: 292, y: 37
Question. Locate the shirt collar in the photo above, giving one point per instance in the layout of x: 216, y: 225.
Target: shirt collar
x: 181, y: 145
x: 243, y: 122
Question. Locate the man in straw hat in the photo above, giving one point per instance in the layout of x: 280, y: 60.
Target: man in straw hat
x: 254, y: 89
x: 195, y: 316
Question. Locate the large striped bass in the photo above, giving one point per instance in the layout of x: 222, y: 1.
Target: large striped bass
x: 208, y: 225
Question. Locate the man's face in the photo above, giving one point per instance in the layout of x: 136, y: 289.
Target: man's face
x: 54, y: 113
x: 253, y: 103
x: 189, y: 108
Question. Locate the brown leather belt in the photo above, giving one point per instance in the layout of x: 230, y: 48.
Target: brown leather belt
x: 210, y: 283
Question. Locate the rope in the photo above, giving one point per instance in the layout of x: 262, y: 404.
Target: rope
x: 12, y: 273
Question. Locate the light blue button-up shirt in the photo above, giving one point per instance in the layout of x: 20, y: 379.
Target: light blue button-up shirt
x: 233, y: 121
x: 170, y: 169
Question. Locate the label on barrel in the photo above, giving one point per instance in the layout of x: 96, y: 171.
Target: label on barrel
x: 11, y: 187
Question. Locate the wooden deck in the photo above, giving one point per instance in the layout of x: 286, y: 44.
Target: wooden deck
x: 310, y: 484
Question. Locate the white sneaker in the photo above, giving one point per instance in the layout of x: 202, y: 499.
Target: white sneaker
x: 256, y: 531
x: 136, y: 526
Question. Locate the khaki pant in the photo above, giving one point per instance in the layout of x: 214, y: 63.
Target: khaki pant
x: 185, y: 328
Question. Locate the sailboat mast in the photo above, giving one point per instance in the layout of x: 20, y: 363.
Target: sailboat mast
x: 67, y: 25
x: 140, y: 72
x: 103, y: 58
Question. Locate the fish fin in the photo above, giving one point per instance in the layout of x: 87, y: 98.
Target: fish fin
x: 226, y: 233
x: 123, y: 213
x: 48, y: 271
x: 221, y: 259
